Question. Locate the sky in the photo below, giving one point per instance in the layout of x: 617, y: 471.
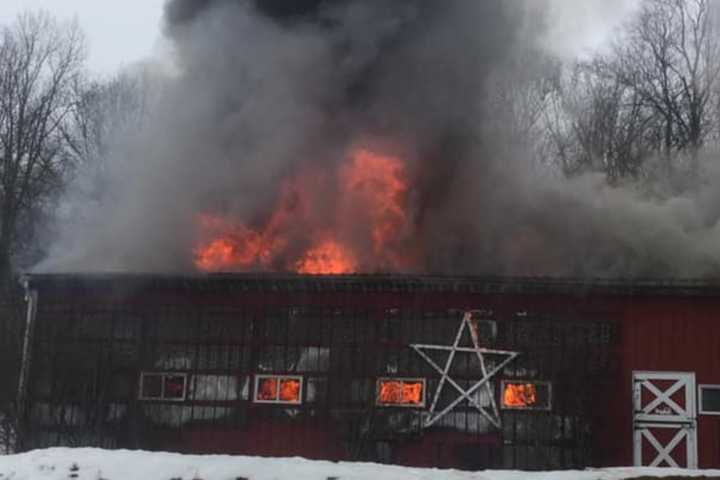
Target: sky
x: 121, y: 33
x: 118, y: 33
x: 578, y: 27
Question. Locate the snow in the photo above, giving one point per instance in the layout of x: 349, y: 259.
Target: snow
x: 97, y: 464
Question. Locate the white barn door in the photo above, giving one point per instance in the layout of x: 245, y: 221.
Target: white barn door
x: 664, y: 419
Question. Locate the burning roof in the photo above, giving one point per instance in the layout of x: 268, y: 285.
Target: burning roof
x: 366, y: 228
x: 363, y: 136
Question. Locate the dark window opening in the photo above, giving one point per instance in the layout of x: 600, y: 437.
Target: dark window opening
x: 710, y: 399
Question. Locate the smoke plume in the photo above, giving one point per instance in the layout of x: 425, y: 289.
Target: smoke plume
x: 266, y: 90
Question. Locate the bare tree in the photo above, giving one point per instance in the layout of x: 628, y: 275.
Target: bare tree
x: 40, y: 60
x: 607, y: 127
x: 105, y: 114
x: 670, y: 57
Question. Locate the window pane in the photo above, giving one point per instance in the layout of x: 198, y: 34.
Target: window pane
x: 524, y: 395
x: 174, y: 387
x: 710, y: 399
x: 267, y: 389
x: 390, y: 392
x: 406, y: 392
x: 151, y: 386
x: 290, y: 390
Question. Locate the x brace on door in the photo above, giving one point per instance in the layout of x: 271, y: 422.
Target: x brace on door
x: 663, y: 452
x: 663, y: 413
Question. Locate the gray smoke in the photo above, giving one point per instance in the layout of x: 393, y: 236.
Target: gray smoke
x: 263, y: 88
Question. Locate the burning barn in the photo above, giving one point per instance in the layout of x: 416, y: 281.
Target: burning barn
x: 414, y: 370
x: 337, y: 153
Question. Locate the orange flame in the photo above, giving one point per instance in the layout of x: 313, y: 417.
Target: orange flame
x: 362, y: 228
x: 398, y: 392
x: 235, y: 247
x: 328, y: 257
x: 520, y: 395
x: 267, y: 389
x: 380, y: 183
x: 290, y: 390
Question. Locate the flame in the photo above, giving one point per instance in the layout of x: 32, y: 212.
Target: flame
x: 290, y: 390
x: 398, y: 392
x: 520, y: 395
x: 328, y: 257
x: 379, y: 182
x: 267, y: 389
x: 235, y: 246
x: 337, y: 222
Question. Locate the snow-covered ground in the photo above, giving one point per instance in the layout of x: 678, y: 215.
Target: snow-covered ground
x: 96, y: 464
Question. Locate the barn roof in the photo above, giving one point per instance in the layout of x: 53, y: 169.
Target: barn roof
x: 377, y: 283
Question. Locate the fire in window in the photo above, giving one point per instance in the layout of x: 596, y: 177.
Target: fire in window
x: 278, y: 389
x: 400, y: 392
x: 526, y: 395
x: 163, y: 386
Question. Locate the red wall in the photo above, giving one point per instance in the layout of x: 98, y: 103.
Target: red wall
x: 664, y: 332
x: 670, y: 334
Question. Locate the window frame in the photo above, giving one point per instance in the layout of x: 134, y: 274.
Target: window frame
x: 701, y: 387
x: 506, y: 381
x: 280, y: 378
x: 422, y: 380
x: 163, y: 376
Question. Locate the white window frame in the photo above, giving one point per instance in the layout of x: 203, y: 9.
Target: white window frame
x: 162, y: 398
x: 507, y: 381
x: 279, y: 378
x: 702, y: 387
x: 378, y: 403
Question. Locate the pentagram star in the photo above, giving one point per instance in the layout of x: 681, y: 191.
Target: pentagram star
x: 492, y: 415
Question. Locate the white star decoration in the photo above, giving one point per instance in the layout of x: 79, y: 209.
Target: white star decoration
x: 492, y: 414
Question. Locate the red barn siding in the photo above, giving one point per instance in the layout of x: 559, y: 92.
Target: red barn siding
x: 669, y: 334
x: 668, y: 330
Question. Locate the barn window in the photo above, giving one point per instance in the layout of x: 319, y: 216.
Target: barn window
x: 163, y: 386
x: 709, y: 399
x: 526, y: 395
x: 400, y: 392
x: 284, y: 389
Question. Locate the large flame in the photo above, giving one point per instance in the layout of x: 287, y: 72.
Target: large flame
x: 351, y: 220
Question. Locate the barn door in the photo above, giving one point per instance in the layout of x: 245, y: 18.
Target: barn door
x: 664, y: 419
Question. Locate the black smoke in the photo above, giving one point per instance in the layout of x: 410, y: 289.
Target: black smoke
x: 264, y: 87
x: 178, y: 12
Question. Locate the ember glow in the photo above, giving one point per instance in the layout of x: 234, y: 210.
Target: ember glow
x: 519, y: 395
x: 290, y: 390
x: 271, y: 389
x: 350, y: 220
x: 267, y: 389
x: 400, y: 392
